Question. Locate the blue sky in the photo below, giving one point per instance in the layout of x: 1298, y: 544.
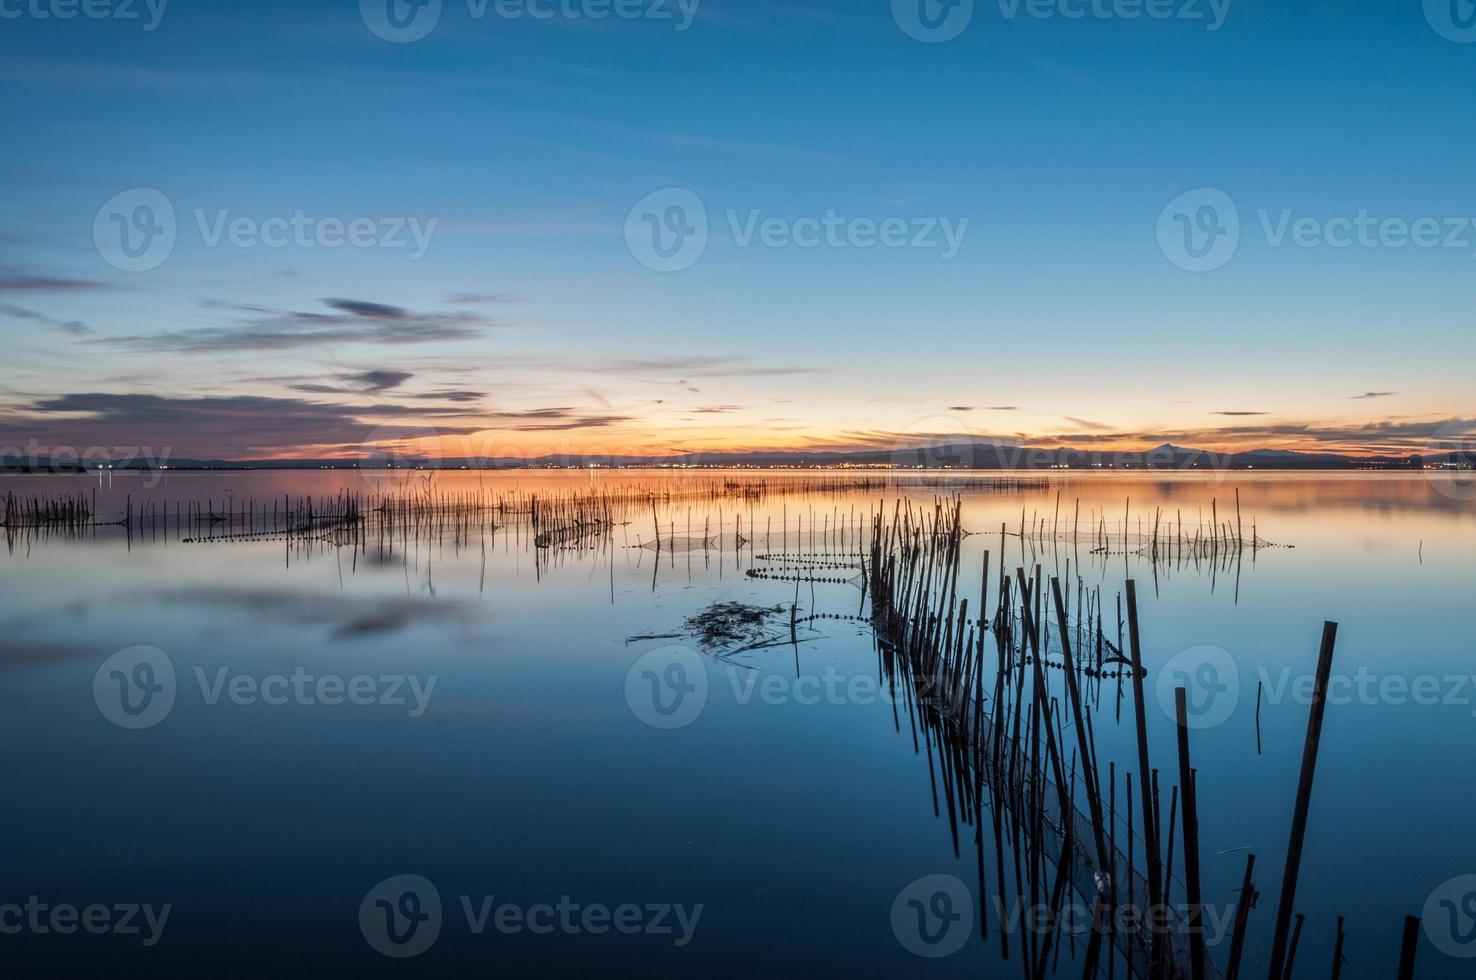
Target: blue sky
x: 529, y: 324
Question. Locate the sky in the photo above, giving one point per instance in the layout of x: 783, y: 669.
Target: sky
x: 517, y: 227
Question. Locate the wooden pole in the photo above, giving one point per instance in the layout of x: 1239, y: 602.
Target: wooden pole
x: 1093, y: 784
x: 1291, y: 953
x: 1242, y: 917
x: 1150, y: 825
x: 1303, y: 803
x: 1411, y: 944
x: 1337, y: 968
x: 1189, y: 800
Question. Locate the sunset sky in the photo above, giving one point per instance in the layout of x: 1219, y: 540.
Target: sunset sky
x: 519, y: 146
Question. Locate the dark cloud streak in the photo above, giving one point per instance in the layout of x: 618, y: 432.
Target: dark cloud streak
x: 355, y: 322
x: 47, y: 284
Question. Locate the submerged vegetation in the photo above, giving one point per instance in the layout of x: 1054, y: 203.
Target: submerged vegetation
x: 725, y: 626
x: 729, y: 623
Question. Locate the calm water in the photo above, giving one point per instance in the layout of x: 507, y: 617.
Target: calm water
x: 468, y: 710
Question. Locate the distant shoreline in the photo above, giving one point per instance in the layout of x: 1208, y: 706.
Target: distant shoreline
x: 288, y: 466
x: 960, y: 456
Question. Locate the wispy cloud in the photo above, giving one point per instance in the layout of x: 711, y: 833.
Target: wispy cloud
x: 449, y: 395
x: 554, y: 420
x: 1237, y: 413
x: 75, y: 327
x: 655, y: 370
x: 697, y: 367
x: 481, y: 299
x: 1373, y: 394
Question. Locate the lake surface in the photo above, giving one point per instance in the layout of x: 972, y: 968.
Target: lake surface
x: 266, y: 734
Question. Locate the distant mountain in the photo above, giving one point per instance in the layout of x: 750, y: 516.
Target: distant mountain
x: 963, y: 454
